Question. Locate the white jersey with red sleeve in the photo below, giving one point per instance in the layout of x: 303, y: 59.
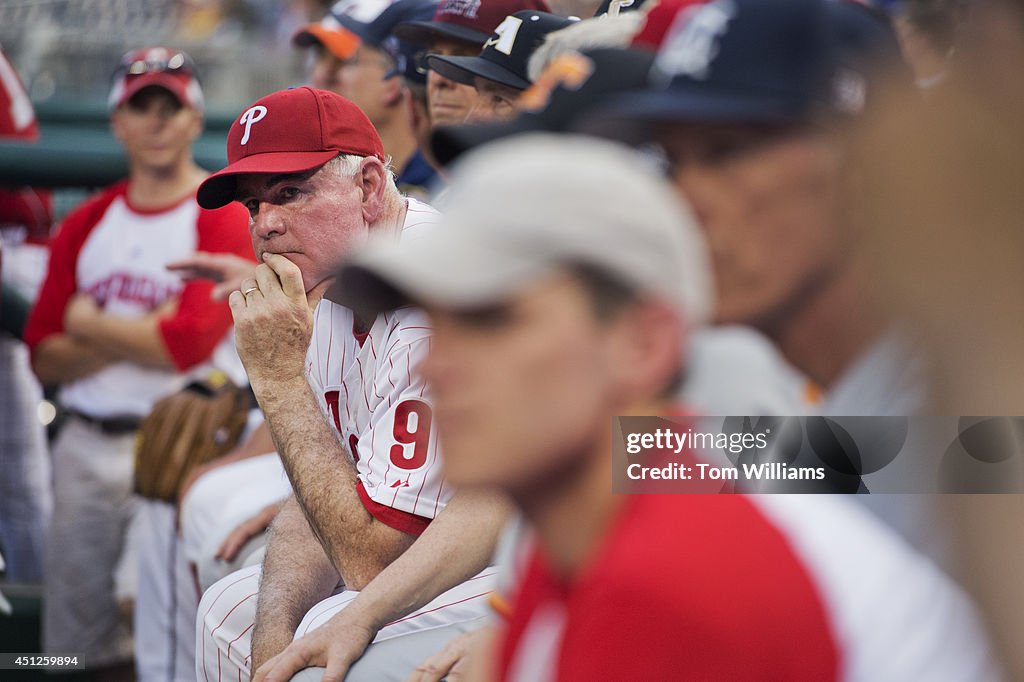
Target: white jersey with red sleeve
x: 117, y: 254
x: 17, y: 117
x: 368, y: 386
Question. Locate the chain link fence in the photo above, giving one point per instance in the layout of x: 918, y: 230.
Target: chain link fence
x: 66, y: 50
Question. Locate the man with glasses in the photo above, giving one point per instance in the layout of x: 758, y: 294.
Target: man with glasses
x: 117, y: 331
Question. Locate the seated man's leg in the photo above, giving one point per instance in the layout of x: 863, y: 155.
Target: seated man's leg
x: 402, y: 645
x: 224, y: 625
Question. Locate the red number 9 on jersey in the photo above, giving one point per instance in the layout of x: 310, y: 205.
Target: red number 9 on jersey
x: 412, y: 427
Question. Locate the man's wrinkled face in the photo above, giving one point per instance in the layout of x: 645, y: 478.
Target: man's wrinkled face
x: 767, y: 200
x: 359, y: 78
x: 494, y: 102
x: 449, y: 102
x: 314, y: 219
x: 521, y: 387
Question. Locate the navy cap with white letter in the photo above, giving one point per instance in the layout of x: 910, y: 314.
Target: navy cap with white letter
x: 738, y: 60
x: 506, y: 53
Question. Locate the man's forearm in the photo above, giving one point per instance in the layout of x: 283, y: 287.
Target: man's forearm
x: 296, y: 575
x: 323, y: 476
x: 457, y: 545
x: 134, y: 340
x: 60, y: 359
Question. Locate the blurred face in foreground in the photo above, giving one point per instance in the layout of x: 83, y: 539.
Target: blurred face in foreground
x: 520, y: 386
x: 524, y: 390
x: 767, y: 200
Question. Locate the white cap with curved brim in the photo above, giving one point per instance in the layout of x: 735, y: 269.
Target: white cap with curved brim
x: 523, y: 207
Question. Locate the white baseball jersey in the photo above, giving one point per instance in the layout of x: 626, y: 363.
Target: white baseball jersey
x: 117, y: 254
x: 368, y: 386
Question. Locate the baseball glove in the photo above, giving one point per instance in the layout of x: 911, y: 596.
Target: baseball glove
x: 201, y: 422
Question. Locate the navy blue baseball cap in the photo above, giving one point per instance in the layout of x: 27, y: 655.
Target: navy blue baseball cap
x: 376, y: 31
x: 506, y: 53
x: 572, y: 85
x: 408, y: 57
x: 748, y: 61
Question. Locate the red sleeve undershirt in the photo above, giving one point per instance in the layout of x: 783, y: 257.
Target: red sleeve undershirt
x: 391, y: 517
x: 200, y: 323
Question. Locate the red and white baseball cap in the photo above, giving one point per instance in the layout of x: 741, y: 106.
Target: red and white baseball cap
x: 331, y: 32
x: 464, y: 21
x: 163, y: 67
x: 290, y: 131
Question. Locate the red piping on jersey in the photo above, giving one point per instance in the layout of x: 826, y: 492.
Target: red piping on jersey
x: 391, y: 517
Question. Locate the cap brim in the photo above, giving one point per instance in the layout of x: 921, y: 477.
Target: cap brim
x: 174, y: 84
x: 219, y: 189
x: 426, y: 32
x: 627, y: 117
x: 441, y: 269
x: 465, y: 69
x: 448, y: 143
x: 341, y: 43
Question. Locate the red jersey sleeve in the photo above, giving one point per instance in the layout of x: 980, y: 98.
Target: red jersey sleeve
x: 200, y: 323
x: 47, y: 316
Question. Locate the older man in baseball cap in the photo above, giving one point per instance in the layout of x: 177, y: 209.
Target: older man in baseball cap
x: 458, y: 28
x: 350, y: 419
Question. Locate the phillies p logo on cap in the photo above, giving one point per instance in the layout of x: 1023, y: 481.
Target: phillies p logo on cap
x: 290, y: 131
x: 251, y: 116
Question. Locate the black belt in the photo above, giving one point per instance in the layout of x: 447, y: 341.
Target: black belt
x: 111, y: 426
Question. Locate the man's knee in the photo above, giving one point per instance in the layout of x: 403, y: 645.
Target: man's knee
x: 229, y: 601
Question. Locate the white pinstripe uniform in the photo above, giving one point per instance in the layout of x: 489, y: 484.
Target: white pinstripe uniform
x: 369, y: 389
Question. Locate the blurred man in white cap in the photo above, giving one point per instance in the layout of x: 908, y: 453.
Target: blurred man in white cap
x: 587, y: 302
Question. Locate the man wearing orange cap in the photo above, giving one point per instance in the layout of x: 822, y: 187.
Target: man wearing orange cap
x: 345, y: 63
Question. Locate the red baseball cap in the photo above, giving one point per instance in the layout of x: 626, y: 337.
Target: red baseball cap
x: 660, y: 19
x: 163, y: 67
x: 290, y: 131
x: 467, y: 21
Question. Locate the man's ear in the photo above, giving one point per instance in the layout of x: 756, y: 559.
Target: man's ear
x: 115, y: 124
x: 392, y: 93
x: 650, y: 342
x: 198, y: 124
x: 373, y: 181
